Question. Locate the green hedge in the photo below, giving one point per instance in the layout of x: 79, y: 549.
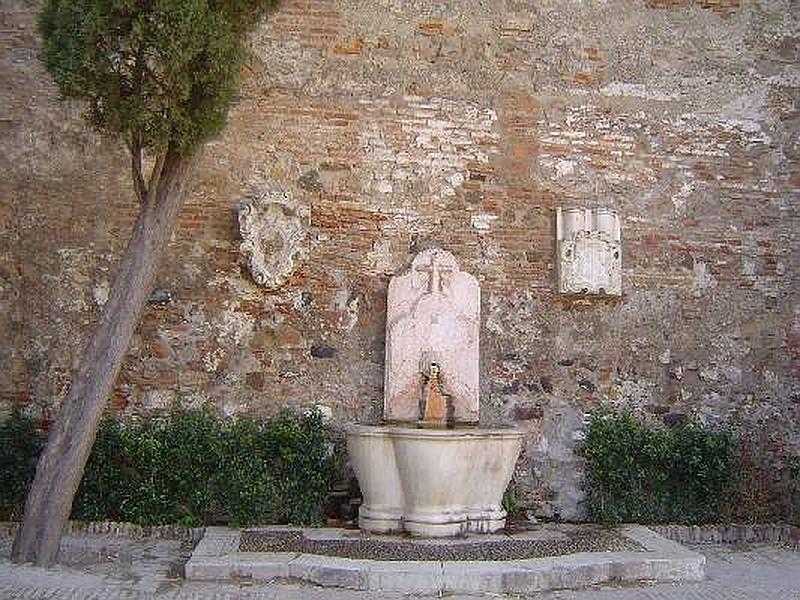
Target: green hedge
x: 20, y: 445
x: 188, y: 467
x: 192, y: 467
x: 645, y: 473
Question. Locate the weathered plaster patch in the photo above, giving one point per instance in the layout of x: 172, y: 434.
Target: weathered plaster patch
x: 635, y: 90
x: 100, y: 292
x: 72, y: 272
x: 238, y: 287
x: 213, y: 359
x: 380, y: 257
x: 665, y: 357
x: 796, y: 319
x: 482, y: 222
x: 157, y: 400
x: 681, y: 197
x: 233, y: 326
x: 636, y: 393
x: 702, y: 278
x: 564, y: 167
x: 349, y: 318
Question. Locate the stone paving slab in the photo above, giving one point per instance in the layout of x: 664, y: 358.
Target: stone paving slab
x: 331, y: 571
x: 217, y: 558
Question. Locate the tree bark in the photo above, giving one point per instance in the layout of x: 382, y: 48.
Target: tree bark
x: 72, y: 434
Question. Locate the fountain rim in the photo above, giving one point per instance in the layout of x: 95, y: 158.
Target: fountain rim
x: 410, y: 431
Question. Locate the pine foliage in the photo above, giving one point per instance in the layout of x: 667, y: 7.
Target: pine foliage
x: 155, y: 72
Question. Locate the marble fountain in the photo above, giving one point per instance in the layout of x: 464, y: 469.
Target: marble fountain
x: 429, y: 470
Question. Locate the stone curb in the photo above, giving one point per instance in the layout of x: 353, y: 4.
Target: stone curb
x: 118, y: 529
x: 786, y: 535
x: 217, y: 557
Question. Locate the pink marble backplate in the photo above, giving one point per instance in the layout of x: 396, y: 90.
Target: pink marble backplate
x: 433, y: 315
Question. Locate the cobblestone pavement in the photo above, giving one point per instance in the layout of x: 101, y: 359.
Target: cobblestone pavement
x: 108, y: 568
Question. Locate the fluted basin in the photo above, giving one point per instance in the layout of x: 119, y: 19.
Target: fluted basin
x: 432, y: 482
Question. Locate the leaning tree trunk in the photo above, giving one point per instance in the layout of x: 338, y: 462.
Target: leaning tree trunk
x: 72, y: 435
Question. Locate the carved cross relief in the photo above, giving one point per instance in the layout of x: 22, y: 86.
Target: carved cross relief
x: 438, y: 274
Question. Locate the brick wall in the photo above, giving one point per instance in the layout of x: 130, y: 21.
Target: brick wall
x: 399, y: 126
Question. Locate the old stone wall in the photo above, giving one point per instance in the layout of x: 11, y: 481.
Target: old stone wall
x: 390, y: 126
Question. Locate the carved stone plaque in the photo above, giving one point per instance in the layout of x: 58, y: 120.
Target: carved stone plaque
x: 273, y: 230
x: 589, y: 248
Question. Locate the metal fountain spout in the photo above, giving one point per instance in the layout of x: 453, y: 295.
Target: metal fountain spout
x: 435, y: 410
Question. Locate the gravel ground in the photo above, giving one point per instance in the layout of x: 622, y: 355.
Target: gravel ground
x: 585, y: 539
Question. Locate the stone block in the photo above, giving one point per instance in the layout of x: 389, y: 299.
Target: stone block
x: 419, y: 577
x: 331, y: 571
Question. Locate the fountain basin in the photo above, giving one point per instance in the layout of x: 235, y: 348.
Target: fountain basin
x: 432, y: 482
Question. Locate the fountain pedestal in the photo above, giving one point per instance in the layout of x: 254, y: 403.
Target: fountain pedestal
x: 432, y: 482
x: 424, y: 476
